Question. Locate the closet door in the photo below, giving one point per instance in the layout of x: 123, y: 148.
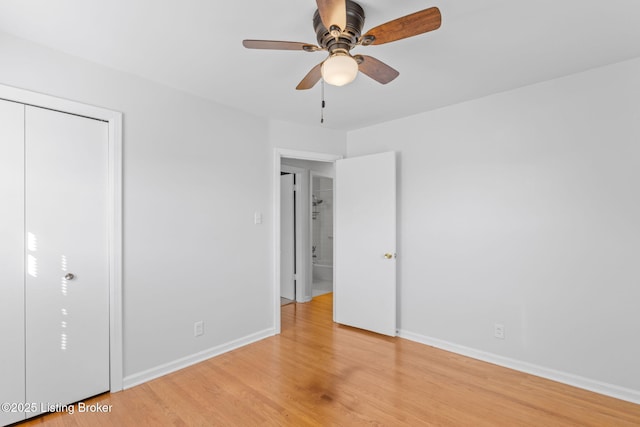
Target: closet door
x: 11, y: 260
x: 67, y: 288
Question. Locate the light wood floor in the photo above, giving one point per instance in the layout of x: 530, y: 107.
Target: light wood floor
x: 319, y: 373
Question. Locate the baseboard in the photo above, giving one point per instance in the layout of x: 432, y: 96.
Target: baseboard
x: 167, y: 368
x: 540, y: 371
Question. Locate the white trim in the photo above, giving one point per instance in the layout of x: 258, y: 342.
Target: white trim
x: 167, y: 368
x: 529, y: 368
x: 308, y: 155
x: 114, y: 120
x: 115, y: 255
x: 278, y: 154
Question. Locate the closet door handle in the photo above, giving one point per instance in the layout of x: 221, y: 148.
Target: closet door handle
x: 69, y: 276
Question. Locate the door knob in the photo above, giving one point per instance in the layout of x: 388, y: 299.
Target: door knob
x: 69, y: 276
x: 389, y: 255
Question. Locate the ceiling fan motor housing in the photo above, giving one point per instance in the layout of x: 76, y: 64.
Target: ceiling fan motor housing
x: 348, y: 39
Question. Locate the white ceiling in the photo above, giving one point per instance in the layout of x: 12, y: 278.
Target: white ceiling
x: 483, y: 47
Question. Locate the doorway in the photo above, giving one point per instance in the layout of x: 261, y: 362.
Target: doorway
x: 364, y: 240
x: 303, y: 164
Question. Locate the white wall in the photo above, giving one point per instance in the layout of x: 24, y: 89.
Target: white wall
x: 522, y: 208
x: 307, y: 138
x: 194, y: 174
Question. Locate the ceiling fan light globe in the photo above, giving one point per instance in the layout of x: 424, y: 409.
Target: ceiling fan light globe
x: 339, y: 70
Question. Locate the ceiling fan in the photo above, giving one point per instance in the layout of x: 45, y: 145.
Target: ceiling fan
x: 338, y: 26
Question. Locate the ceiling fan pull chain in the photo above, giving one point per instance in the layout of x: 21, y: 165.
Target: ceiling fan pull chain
x: 323, y: 104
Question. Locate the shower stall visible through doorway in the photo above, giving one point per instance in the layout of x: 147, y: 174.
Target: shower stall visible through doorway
x: 322, y: 234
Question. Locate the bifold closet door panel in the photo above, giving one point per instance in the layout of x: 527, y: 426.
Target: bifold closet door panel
x: 11, y: 259
x: 67, y: 281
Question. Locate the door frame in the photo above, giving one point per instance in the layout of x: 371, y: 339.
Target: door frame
x: 280, y: 153
x: 114, y: 207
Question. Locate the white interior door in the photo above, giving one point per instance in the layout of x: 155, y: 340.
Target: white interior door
x: 365, y: 242
x: 11, y: 258
x: 287, y: 237
x: 67, y: 288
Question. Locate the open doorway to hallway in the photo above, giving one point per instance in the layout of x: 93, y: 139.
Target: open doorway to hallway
x: 306, y: 229
x: 364, y: 241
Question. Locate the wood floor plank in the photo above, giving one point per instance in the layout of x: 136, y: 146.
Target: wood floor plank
x: 320, y: 373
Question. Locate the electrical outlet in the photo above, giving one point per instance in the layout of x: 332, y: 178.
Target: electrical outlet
x: 198, y: 328
x: 498, y: 330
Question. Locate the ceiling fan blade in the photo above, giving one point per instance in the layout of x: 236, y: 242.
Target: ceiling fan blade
x: 376, y: 69
x: 407, y: 26
x: 333, y: 12
x: 311, y: 78
x: 278, y: 45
